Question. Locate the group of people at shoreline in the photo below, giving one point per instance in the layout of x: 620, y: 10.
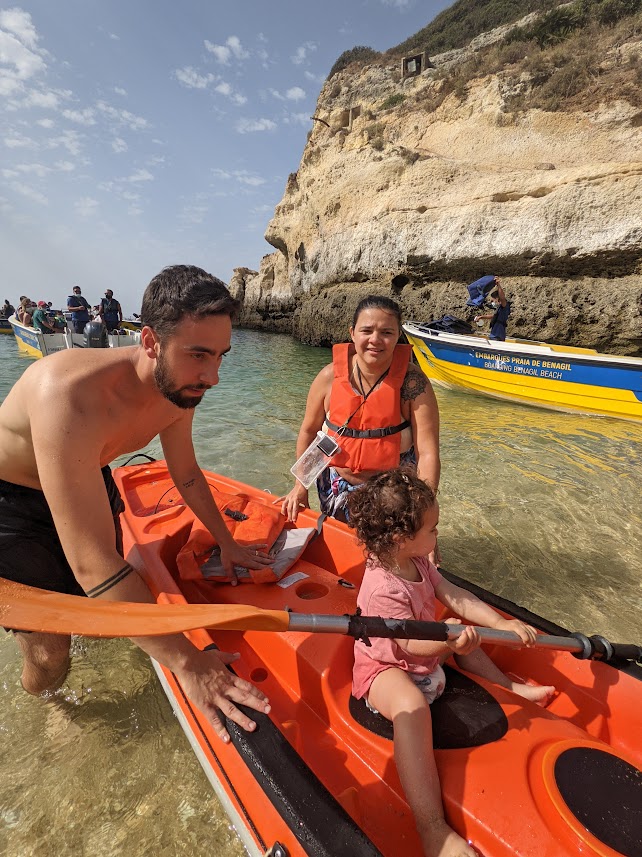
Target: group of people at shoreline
x: 45, y: 319
x: 55, y: 482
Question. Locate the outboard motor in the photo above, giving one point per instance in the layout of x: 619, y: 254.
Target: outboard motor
x: 95, y: 334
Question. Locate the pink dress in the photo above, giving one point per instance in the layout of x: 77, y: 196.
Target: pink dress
x: 384, y: 594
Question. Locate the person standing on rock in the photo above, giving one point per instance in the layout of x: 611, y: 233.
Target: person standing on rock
x: 378, y: 406
x: 499, y: 318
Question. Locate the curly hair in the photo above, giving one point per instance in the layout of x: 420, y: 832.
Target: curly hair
x: 390, y: 507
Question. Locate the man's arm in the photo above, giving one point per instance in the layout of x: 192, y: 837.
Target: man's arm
x: 424, y: 419
x: 120, y: 313
x: 188, y: 478
x: 68, y: 459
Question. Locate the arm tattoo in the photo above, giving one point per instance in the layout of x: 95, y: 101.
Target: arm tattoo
x: 103, y: 587
x: 189, y: 483
x: 414, y: 384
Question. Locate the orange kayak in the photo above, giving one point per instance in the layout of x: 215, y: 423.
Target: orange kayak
x: 318, y: 776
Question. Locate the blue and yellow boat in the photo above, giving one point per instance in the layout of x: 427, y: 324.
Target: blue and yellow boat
x: 529, y: 372
x: 5, y: 327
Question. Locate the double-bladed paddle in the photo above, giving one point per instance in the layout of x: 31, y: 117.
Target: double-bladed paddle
x: 29, y: 609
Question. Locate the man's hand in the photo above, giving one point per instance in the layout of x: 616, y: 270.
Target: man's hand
x: 214, y: 689
x: 235, y: 554
x: 293, y: 502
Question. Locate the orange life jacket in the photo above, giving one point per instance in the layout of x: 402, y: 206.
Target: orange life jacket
x: 249, y: 522
x: 372, y: 438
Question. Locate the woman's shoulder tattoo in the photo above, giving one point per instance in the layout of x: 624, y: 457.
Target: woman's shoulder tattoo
x: 414, y: 384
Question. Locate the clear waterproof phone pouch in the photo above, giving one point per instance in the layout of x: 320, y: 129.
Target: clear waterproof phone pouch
x: 315, y: 459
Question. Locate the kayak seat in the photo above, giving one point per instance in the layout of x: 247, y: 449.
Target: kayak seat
x: 466, y: 715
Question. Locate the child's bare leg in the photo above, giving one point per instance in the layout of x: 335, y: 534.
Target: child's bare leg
x: 396, y: 696
x: 480, y: 664
x: 45, y: 660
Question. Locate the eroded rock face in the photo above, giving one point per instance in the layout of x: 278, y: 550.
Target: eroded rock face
x: 415, y: 203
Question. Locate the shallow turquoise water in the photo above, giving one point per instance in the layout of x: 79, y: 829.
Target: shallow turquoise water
x: 543, y: 508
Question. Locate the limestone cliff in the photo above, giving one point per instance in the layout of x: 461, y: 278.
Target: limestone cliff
x: 406, y: 192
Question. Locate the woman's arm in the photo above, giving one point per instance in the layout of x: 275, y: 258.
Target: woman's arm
x: 312, y: 423
x: 424, y: 419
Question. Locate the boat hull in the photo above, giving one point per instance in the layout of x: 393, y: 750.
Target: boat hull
x: 313, y: 768
x: 33, y: 343
x: 5, y: 326
x: 533, y: 373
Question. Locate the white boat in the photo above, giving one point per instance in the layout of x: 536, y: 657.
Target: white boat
x: 36, y: 344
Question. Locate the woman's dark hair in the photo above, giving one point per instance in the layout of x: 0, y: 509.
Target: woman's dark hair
x: 377, y: 302
x: 184, y: 290
x: 388, y: 508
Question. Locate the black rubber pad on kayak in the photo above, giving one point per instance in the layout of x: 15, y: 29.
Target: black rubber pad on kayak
x: 604, y: 793
x: 466, y: 715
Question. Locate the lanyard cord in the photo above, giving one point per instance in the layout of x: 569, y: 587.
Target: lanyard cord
x: 364, y: 394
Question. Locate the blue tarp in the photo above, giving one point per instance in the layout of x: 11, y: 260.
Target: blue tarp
x: 479, y: 289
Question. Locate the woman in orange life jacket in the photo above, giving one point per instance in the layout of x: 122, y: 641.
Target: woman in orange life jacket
x: 379, y: 407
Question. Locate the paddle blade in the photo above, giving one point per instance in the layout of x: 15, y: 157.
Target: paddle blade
x: 26, y: 608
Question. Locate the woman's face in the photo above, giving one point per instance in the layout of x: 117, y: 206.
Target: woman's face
x: 375, y: 335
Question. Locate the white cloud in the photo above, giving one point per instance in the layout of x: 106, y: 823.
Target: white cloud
x: 39, y: 170
x: 140, y: 176
x: 242, y: 176
x: 295, y: 93
x: 45, y: 123
x: 30, y: 193
x: 248, y: 126
x: 81, y: 117
x: 317, y: 78
x: 120, y: 91
x: 86, y: 206
x: 19, y: 23
x: 118, y: 145
x: 70, y: 140
x: 398, y: 4
x: 37, y: 98
x: 231, y: 48
x: 226, y: 89
x: 19, y: 141
x: 190, y: 78
x: 122, y: 117
x: 297, y: 119
x: 65, y: 166
x: 301, y: 53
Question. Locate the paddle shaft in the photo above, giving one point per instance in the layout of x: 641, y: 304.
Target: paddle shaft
x: 363, y: 627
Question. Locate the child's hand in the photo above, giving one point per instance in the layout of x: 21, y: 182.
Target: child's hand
x: 467, y: 641
x: 526, y: 633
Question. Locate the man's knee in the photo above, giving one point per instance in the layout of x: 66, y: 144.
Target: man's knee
x: 46, y: 661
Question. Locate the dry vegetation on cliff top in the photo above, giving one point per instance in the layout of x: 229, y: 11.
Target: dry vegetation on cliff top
x: 571, y: 57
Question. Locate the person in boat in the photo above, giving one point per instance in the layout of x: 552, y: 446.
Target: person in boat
x: 499, y: 318
x: 24, y: 313
x: 59, y: 505
x: 41, y: 320
x: 110, y: 311
x: 8, y: 309
x: 395, y: 517
x: 379, y: 407
x: 79, y: 308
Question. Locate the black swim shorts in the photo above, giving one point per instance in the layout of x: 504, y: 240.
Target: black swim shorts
x: 30, y: 550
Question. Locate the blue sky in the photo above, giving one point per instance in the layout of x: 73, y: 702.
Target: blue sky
x: 137, y: 134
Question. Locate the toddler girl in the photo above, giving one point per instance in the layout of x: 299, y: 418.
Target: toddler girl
x: 395, y: 515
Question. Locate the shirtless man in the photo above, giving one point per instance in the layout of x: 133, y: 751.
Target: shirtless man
x: 57, y: 494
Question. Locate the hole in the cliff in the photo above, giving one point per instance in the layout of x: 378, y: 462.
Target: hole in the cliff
x: 399, y: 282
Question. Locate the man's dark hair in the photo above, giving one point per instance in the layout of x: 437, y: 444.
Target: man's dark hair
x: 184, y: 290
x: 377, y: 302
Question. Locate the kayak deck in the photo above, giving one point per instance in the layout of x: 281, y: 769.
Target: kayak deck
x: 313, y: 765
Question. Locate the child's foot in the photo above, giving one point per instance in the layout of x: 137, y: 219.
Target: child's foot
x: 440, y: 840
x: 539, y: 693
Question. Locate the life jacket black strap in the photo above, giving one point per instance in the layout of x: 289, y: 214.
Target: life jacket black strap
x: 344, y: 431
